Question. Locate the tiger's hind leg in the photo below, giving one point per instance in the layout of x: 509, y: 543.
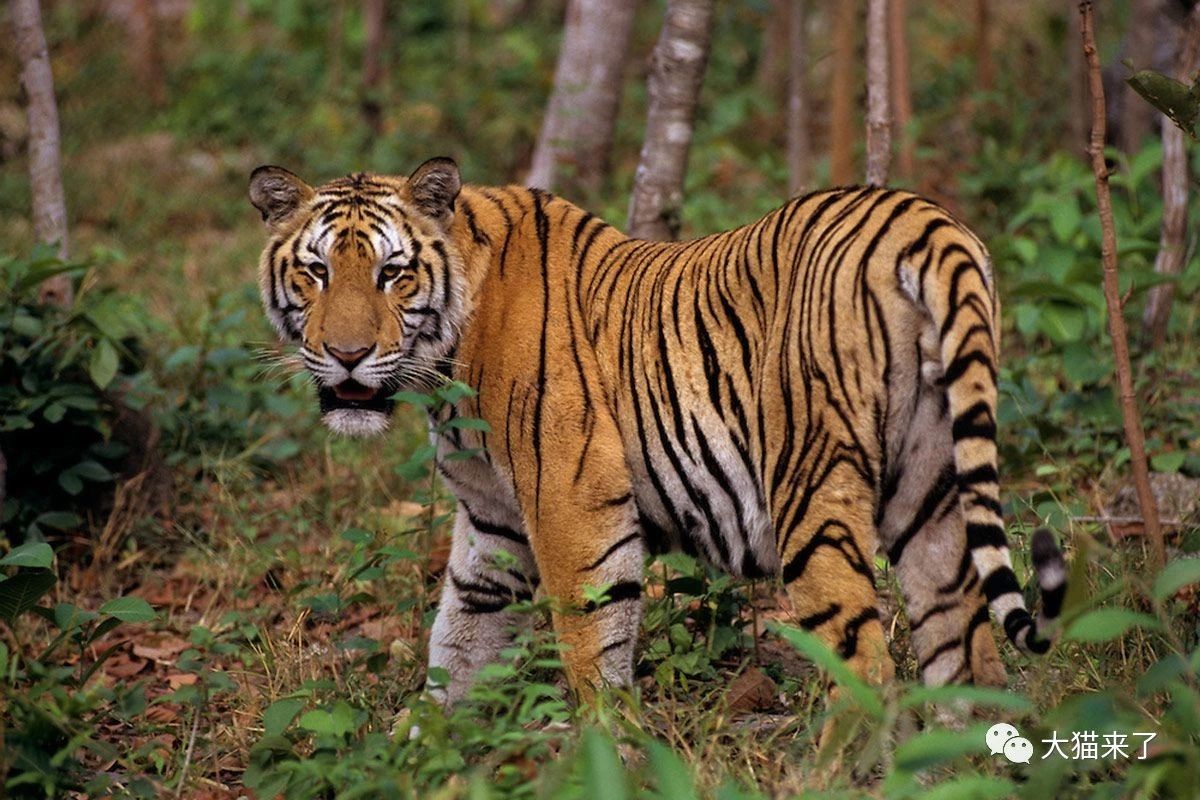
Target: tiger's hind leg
x: 922, y: 530
x: 826, y: 552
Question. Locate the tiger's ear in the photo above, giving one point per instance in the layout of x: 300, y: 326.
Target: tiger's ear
x: 433, y: 187
x: 277, y: 193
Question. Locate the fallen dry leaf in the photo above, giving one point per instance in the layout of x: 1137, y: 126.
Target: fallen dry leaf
x: 181, y: 679
x: 163, y: 650
x: 124, y: 665
x: 753, y: 690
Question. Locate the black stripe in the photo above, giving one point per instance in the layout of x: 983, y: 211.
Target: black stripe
x: 614, y: 547
x: 618, y: 592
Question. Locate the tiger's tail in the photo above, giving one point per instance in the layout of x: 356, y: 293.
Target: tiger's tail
x: 958, y: 291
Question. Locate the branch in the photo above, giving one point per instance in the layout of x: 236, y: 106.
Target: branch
x: 1134, y: 435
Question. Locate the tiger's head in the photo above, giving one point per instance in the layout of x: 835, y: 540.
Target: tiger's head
x: 362, y: 274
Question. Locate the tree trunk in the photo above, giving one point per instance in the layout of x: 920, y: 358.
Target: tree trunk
x: 844, y: 91
x: 901, y: 90
x: 45, y: 174
x: 3, y: 482
x: 1137, y: 116
x: 573, y: 148
x: 776, y: 45
x: 879, y: 117
x: 1172, y: 247
x: 1134, y: 435
x: 375, y: 33
x: 676, y: 75
x: 985, y: 70
x: 799, y: 149
x: 146, y: 53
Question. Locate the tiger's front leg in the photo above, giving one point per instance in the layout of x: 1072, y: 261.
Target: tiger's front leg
x: 587, y: 542
x: 491, y: 566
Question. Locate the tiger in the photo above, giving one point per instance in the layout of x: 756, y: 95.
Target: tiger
x: 784, y: 400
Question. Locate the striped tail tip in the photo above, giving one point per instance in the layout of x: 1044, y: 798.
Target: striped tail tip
x: 1051, y: 572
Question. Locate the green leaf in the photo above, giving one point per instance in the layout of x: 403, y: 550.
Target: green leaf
x: 60, y: 520
x: 357, y: 536
x: 103, y: 366
x: 468, y: 424
x: 1170, y: 461
x: 1175, y: 576
x: 674, y: 779
x: 21, y: 592
x: 31, y: 554
x: 603, y: 773
x: 68, y: 616
x: 338, y: 721
x: 973, y: 695
x: 1174, y: 99
x: 972, y: 787
x: 279, y: 715
x: 936, y: 747
x: 1065, y: 218
x: 129, y: 609
x: 92, y: 471
x: 415, y: 399
x: 1106, y: 624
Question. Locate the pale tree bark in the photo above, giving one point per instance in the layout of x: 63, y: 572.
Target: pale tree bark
x: 843, y: 88
x: 375, y: 38
x: 45, y: 172
x: 573, y: 147
x: 799, y: 148
x: 879, y: 116
x: 676, y: 75
x: 145, y: 51
x: 1172, y: 244
x: 902, y: 111
x: 1134, y: 435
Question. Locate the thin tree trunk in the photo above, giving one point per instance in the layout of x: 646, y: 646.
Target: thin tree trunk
x: 575, y: 142
x: 1172, y: 245
x: 985, y: 70
x: 375, y: 32
x: 776, y: 43
x: 45, y: 172
x: 676, y: 75
x: 3, y: 482
x: 843, y: 88
x: 901, y: 90
x: 799, y: 149
x: 879, y: 117
x: 1134, y: 435
x: 145, y: 51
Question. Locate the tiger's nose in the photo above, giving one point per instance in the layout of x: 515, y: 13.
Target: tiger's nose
x: 349, y: 358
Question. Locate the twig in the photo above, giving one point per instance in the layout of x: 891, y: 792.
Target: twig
x: 1134, y: 435
x: 187, y: 756
x: 1167, y: 523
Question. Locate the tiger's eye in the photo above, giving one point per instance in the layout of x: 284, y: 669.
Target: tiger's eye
x: 318, y: 271
x: 390, y: 271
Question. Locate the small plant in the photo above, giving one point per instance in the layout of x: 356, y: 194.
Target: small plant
x: 62, y: 374
x: 53, y: 706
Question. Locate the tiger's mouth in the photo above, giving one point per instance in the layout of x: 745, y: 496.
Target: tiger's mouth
x: 350, y: 395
